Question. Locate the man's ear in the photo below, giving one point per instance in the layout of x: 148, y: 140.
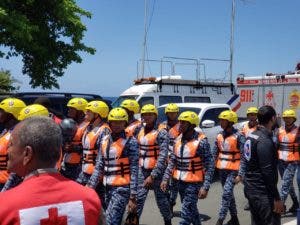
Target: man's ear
x: 28, y: 155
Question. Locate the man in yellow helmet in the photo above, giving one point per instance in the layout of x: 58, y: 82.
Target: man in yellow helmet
x: 27, y: 112
x: 73, y: 150
x: 96, y: 114
x: 153, y: 144
x: 132, y: 107
x: 227, y: 152
x: 252, y: 123
x: 9, y: 112
x: 117, y: 163
x: 191, y: 156
x: 288, y: 154
x: 172, y: 126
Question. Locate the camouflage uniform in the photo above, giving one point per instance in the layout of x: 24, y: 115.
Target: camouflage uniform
x: 173, y: 185
x: 227, y: 176
x: 162, y: 198
x: 117, y: 197
x: 83, y: 177
x: 287, y: 171
x: 189, y: 191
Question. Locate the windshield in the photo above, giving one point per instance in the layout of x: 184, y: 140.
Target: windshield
x: 120, y: 99
x: 162, y: 116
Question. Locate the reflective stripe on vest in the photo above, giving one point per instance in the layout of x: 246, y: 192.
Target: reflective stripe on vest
x: 116, y: 165
x: 149, y: 149
x: 89, y: 149
x: 131, y: 128
x: 288, y: 146
x: 246, y: 130
x: 74, y: 157
x: 4, y: 141
x: 229, y: 155
x: 189, y: 166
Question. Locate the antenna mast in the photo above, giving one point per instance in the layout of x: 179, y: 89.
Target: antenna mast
x: 231, y: 39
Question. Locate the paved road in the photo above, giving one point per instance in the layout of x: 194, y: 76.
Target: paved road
x: 209, y: 207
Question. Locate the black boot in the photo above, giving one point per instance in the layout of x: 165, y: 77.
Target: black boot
x: 233, y: 221
x: 294, y: 207
x: 168, y: 222
x: 219, y: 222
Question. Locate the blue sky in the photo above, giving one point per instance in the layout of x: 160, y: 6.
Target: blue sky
x: 266, y: 40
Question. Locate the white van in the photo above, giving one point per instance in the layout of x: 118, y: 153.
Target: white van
x: 166, y: 89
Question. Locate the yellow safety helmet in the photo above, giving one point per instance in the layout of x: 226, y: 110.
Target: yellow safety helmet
x: 78, y: 103
x: 229, y: 116
x: 33, y: 110
x: 12, y: 106
x: 235, y: 115
x: 289, y: 113
x: 171, y: 108
x: 252, y: 110
x: 189, y: 116
x: 118, y: 114
x: 98, y: 107
x: 149, y: 108
x: 131, y: 105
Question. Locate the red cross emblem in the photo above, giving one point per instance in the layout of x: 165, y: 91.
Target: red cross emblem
x: 269, y: 95
x: 54, y: 218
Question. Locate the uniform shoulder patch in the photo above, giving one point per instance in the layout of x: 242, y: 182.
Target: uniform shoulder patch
x: 253, y: 136
x: 247, y: 150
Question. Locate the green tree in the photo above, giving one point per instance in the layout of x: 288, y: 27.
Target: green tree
x: 7, y: 82
x: 46, y: 33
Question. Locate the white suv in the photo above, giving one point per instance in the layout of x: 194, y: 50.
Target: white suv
x: 208, y: 114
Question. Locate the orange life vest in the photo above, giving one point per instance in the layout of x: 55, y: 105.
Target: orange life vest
x: 90, y: 150
x: 4, y: 141
x: 189, y: 166
x: 149, y: 149
x: 288, y: 146
x: 229, y: 155
x: 246, y: 130
x: 173, y: 131
x: 74, y: 157
x: 131, y: 128
x: 116, y: 164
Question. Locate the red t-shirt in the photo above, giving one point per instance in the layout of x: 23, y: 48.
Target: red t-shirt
x: 49, y: 199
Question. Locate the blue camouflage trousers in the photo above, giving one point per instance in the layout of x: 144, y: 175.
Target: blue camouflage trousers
x: 228, y: 201
x: 189, y: 197
x: 116, y: 200
x: 162, y: 198
x: 287, y: 171
x: 173, y: 191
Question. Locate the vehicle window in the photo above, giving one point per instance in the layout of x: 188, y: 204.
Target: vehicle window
x: 162, y: 116
x: 197, y: 99
x: 120, y: 99
x: 212, y: 114
x: 169, y: 99
x: 146, y: 100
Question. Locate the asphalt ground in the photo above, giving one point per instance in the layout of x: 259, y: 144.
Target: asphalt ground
x: 208, y: 208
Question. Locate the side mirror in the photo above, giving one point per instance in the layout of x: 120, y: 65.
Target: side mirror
x: 208, y: 124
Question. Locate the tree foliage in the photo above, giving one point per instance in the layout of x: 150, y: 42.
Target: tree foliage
x: 46, y: 33
x: 7, y: 82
